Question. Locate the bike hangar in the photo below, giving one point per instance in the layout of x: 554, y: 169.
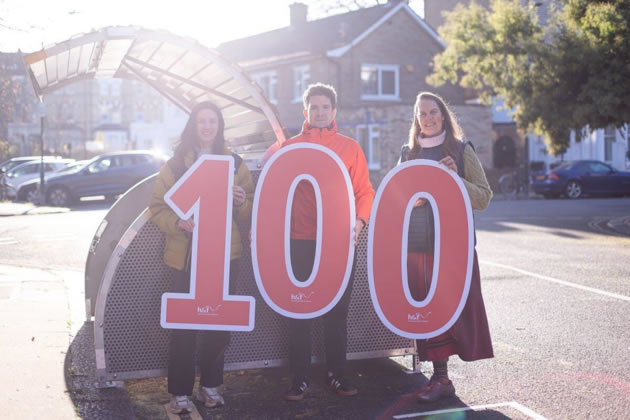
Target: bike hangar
x: 125, y: 276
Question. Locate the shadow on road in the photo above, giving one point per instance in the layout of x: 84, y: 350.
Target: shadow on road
x: 91, y: 205
x: 79, y: 369
x: 562, y: 217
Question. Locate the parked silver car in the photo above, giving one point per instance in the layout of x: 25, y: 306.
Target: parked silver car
x: 108, y: 175
x: 31, y: 170
x: 28, y: 191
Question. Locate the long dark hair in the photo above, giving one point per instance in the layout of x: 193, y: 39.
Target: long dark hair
x: 454, y: 133
x: 189, y: 139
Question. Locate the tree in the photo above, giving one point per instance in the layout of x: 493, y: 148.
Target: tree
x: 569, y: 74
x: 8, y: 92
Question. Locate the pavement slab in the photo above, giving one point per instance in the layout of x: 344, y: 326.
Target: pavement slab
x: 48, y: 350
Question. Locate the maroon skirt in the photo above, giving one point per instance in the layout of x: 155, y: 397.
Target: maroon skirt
x: 469, y: 337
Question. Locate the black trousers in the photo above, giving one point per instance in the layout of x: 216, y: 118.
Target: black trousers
x: 182, y: 346
x: 335, y: 331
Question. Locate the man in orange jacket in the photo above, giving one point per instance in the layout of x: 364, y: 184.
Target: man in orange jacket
x: 320, y: 103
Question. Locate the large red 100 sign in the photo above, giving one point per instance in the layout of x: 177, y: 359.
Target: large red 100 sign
x: 209, y: 306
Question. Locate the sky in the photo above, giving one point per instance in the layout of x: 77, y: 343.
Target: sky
x: 30, y: 25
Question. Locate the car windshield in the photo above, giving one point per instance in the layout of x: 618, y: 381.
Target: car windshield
x: 72, y: 168
x: 565, y: 165
x: 23, y: 170
x: 10, y: 164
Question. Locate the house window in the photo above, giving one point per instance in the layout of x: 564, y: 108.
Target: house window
x: 380, y: 82
x: 301, y: 79
x: 368, y: 135
x: 267, y: 81
x: 610, y: 135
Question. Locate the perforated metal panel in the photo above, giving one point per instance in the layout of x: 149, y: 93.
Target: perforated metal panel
x: 132, y: 344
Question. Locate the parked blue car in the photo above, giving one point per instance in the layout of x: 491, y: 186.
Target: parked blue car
x: 106, y: 175
x: 582, y: 177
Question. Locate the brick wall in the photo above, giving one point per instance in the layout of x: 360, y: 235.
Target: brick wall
x: 394, y: 122
x: 399, y: 41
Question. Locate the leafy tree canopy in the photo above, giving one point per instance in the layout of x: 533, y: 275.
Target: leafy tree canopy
x: 571, y: 73
x: 8, y: 90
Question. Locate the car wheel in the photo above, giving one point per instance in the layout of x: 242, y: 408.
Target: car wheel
x: 59, y: 196
x: 31, y: 195
x: 573, y: 189
x: 21, y: 195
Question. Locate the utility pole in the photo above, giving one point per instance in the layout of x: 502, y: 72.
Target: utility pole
x: 42, y: 116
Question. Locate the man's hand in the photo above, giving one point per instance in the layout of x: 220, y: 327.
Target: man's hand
x: 238, y: 194
x: 186, y: 225
x: 420, y: 202
x: 358, y: 226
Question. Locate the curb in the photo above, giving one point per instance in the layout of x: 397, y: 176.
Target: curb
x: 13, y: 209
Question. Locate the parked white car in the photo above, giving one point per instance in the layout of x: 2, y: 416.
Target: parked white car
x: 30, y: 170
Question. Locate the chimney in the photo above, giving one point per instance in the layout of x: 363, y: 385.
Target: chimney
x: 298, y: 13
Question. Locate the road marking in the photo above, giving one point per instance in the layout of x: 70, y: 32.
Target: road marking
x: 558, y: 281
x: 512, y: 404
x: 7, y: 240
x: 55, y: 239
x: 38, y: 238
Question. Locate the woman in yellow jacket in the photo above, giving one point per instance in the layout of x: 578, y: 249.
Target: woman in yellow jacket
x: 203, y: 134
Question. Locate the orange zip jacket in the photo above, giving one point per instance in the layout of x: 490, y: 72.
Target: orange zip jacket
x: 304, y: 212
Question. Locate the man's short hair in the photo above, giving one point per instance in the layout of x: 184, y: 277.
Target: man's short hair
x: 320, y: 89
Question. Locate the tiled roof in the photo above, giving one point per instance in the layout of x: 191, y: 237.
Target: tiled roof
x: 314, y: 37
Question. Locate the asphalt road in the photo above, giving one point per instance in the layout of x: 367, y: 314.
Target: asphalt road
x: 556, y: 283
x: 57, y: 241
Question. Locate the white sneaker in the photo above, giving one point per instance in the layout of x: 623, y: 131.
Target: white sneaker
x: 180, y: 404
x: 210, y: 397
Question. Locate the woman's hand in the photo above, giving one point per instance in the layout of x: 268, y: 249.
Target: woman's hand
x: 238, y: 194
x: 186, y: 225
x: 449, y: 162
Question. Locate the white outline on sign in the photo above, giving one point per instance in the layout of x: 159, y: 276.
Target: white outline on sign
x: 436, y: 255
x: 436, y: 212
x: 352, y: 216
x: 194, y: 211
x: 287, y: 231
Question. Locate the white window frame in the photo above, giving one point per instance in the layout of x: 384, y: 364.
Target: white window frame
x: 301, y: 79
x: 270, y: 89
x: 379, y: 96
x: 374, y: 134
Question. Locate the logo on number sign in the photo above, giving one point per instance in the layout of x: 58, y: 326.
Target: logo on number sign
x: 208, y: 310
x: 301, y: 297
x: 418, y: 317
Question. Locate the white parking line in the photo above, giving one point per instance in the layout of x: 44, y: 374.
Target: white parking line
x: 512, y: 404
x: 558, y: 281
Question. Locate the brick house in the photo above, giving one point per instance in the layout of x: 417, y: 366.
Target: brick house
x: 377, y: 58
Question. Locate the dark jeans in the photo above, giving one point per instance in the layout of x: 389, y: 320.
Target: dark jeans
x: 335, y: 335
x: 182, y: 344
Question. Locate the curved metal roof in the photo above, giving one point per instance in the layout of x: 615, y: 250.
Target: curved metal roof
x: 181, y: 69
